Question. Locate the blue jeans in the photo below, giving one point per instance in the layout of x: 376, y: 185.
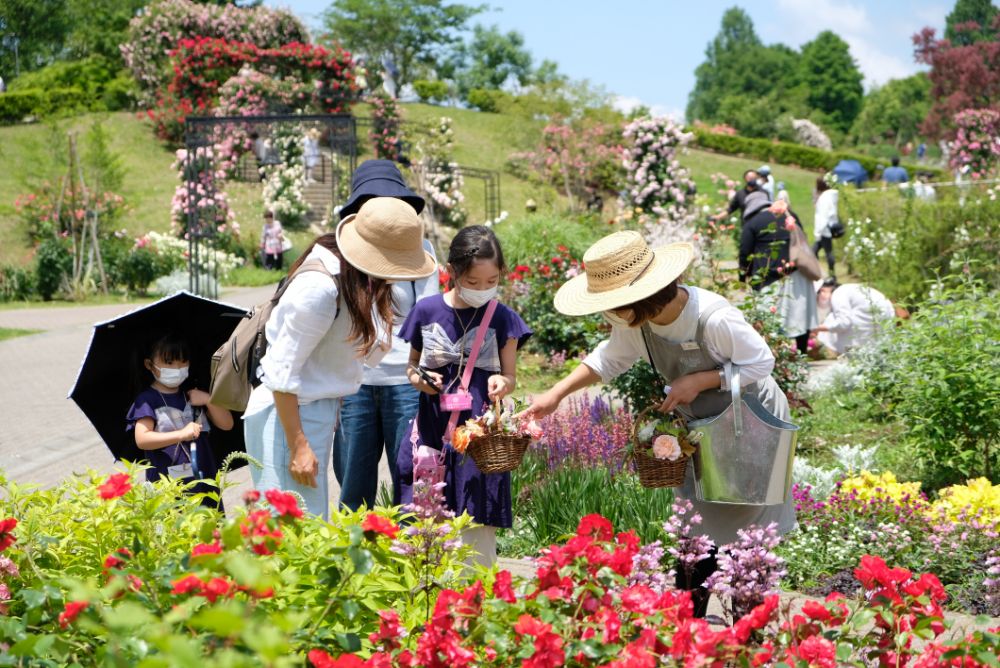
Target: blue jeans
x: 376, y: 417
x: 265, y: 439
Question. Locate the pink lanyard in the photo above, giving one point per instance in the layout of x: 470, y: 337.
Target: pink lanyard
x: 470, y: 364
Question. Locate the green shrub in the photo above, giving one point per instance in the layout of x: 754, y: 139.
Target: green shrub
x: 786, y: 153
x: 641, y: 386
x: 529, y: 239
x: 106, y: 86
x: 53, y: 266
x: 16, y: 283
x: 939, y: 375
x: 65, y: 101
x: 487, y: 100
x: 16, y: 105
x: 142, y: 266
x: 430, y: 91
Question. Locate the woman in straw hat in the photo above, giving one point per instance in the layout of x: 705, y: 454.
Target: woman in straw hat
x: 689, y: 335
x: 321, y: 333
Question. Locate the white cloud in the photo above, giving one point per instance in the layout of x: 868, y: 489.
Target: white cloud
x: 799, y: 21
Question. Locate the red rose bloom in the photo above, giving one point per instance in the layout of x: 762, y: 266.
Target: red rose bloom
x: 187, y: 584
x: 202, y: 549
x: 116, y: 485
x: 284, y: 503
x: 375, y: 524
x: 320, y: 659
x: 6, y: 537
x: 71, y: 612
x: 217, y: 588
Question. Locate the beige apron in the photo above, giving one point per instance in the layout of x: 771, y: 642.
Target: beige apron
x: 673, y: 360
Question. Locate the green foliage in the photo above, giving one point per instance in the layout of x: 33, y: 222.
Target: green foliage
x: 105, y: 85
x: 16, y: 105
x: 789, y: 154
x: 487, y: 100
x: 251, y: 276
x: 832, y: 79
x: 409, y: 33
x: 894, y: 112
x: 16, y: 283
x: 940, y: 375
x: 490, y: 59
x: 141, y: 266
x: 100, y: 26
x: 37, y: 29
x: 641, y: 386
x: 430, y: 91
x: 981, y: 12
x: 53, y: 266
x: 539, y: 236
x: 269, y: 587
x: 551, y: 502
x: 899, y: 243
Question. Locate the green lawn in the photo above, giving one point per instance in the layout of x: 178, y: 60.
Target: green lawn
x: 482, y: 140
x: 8, y: 333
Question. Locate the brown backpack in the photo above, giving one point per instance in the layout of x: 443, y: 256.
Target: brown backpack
x: 235, y: 363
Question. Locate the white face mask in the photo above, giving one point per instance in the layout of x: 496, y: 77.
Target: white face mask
x: 616, y: 320
x: 476, y: 298
x: 171, y: 377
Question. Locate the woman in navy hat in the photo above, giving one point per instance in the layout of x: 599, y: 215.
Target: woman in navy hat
x: 376, y: 416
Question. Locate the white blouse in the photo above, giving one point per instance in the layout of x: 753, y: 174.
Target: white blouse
x: 826, y: 213
x: 309, y: 351
x: 728, y: 337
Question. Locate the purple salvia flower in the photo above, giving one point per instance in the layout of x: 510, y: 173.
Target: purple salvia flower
x: 749, y: 570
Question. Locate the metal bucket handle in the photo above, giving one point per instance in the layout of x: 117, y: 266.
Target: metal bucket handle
x: 735, y: 388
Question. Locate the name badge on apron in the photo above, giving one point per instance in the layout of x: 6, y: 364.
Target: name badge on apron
x: 690, y: 345
x: 181, y: 471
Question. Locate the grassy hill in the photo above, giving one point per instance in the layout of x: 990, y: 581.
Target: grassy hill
x: 482, y: 140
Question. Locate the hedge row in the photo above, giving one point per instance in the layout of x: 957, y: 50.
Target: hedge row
x: 16, y: 105
x: 785, y: 153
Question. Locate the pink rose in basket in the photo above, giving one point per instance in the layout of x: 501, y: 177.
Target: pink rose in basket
x: 666, y: 446
x: 533, y: 429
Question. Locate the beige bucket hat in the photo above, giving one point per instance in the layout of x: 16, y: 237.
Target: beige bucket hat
x: 621, y: 269
x: 384, y: 239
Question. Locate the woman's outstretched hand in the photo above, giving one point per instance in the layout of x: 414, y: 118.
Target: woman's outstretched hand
x: 541, y: 406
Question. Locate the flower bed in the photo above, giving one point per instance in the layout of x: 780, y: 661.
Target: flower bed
x: 112, y: 570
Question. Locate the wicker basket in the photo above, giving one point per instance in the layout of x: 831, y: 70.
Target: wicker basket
x: 498, y: 452
x: 655, y: 472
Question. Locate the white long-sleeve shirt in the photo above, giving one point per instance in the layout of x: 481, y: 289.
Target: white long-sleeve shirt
x: 309, y: 352
x: 728, y: 337
x: 826, y: 213
x: 857, y: 312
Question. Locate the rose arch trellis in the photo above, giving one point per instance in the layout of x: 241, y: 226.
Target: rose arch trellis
x: 203, y: 174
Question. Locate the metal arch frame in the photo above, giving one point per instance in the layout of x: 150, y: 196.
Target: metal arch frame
x: 198, y: 134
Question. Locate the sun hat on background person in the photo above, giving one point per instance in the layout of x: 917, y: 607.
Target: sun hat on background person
x: 378, y: 178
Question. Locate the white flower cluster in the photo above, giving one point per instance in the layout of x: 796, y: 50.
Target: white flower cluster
x: 810, y: 134
x: 850, y: 460
x: 499, y: 219
x: 439, y: 176
x: 284, y: 190
x: 869, y: 245
x: 178, y: 249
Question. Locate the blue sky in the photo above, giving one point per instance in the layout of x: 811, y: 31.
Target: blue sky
x: 646, y: 51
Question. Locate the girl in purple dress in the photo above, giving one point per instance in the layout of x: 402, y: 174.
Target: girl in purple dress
x: 441, y: 330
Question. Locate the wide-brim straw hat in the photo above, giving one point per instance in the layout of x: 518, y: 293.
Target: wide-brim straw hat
x: 621, y: 269
x: 384, y: 239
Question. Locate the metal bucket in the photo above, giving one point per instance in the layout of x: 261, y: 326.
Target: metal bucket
x: 745, y: 454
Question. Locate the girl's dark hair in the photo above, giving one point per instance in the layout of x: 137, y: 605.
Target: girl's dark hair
x: 650, y: 307
x: 362, y: 294
x: 169, y: 348
x: 821, y: 184
x: 476, y: 242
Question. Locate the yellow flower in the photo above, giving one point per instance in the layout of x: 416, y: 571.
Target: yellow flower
x: 973, y: 497
x: 868, y: 486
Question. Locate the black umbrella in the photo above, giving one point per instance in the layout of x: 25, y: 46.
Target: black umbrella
x: 104, y: 388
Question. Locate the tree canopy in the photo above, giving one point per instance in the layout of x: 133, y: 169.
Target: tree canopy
x: 959, y: 28
x: 402, y: 35
x: 894, y: 112
x: 490, y: 59
x: 832, y: 79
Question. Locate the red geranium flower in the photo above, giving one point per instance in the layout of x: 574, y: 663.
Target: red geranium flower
x: 116, y: 485
x: 286, y: 504
x: 187, y: 584
x: 71, y: 612
x: 596, y: 526
x: 117, y: 558
x: 320, y: 659
x: 202, y: 549
x: 375, y: 524
x: 251, y: 496
x: 6, y: 537
x: 216, y: 588
x: 502, y: 588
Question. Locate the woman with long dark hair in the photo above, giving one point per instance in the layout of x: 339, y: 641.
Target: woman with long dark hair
x: 328, y: 324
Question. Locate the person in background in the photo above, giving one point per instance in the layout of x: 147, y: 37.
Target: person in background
x: 767, y: 181
x: 782, y: 195
x: 737, y: 203
x: 827, y: 199
x: 310, y: 153
x: 764, y: 260
x: 376, y: 418
x: 271, y: 238
x: 921, y: 151
x: 857, y: 314
x: 895, y: 174
x: 3, y: 85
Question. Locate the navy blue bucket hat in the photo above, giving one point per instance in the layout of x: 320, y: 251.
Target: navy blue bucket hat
x: 378, y: 178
